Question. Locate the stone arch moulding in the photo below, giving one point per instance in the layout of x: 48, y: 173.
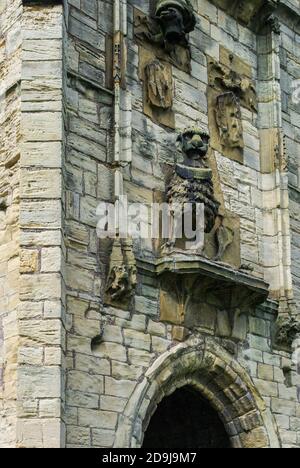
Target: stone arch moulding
x: 201, y: 363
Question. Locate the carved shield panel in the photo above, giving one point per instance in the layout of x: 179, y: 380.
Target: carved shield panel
x: 159, y: 85
x: 230, y: 89
x: 157, y: 79
x: 229, y: 121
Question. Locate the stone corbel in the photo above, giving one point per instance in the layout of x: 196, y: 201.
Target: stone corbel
x: 273, y: 23
x: 197, y: 294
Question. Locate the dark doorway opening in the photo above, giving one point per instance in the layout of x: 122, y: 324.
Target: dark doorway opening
x: 185, y: 420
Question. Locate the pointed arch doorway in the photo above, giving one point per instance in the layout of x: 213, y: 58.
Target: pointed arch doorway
x: 202, y: 364
x: 185, y: 420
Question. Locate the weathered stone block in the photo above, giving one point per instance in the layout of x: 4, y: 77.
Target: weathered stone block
x: 29, y: 261
x: 39, y: 382
x: 97, y: 418
x: 119, y: 388
x: 137, y: 339
x: 40, y: 287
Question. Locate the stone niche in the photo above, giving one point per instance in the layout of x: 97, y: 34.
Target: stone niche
x: 197, y: 294
x: 230, y: 88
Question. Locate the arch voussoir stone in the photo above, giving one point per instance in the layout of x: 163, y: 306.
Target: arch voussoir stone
x: 203, y: 364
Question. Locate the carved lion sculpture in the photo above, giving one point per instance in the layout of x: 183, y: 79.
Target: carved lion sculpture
x: 192, y: 181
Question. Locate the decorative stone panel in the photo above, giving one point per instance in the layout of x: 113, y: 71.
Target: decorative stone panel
x: 230, y: 88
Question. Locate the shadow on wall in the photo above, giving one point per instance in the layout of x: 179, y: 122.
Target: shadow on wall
x: 185, y: 420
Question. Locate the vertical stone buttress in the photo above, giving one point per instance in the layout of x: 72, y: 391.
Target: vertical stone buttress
x: 10, y: 119
x: 32, y: 328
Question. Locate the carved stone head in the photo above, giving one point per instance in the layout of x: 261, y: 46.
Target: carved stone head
x: 176, y: 19
x: 194, y: 143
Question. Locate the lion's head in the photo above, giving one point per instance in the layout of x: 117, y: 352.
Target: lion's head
x: 194, y: 143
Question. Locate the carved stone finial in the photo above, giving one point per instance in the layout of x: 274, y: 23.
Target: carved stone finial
x: 176, y: 19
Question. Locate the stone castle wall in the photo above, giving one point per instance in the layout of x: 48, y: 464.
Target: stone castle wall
x: 86, y: 374
x: 102, y: 382
x: 41, y: 322
x: 10, y: 119
x: 32, y: 332
x: 289, y: 54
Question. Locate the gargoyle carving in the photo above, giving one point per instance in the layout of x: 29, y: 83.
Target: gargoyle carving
x: 122, y: 277
x: 288, y: 329
x: 176, y: 20
x: 192, y: 182
x: 166, y: 31
x: 200, y: 301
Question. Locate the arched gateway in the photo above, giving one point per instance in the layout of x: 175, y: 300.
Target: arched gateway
x: 205, y: 366
x: 185, y: 420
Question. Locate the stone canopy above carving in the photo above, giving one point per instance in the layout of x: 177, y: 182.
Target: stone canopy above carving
x: 251, y: 13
